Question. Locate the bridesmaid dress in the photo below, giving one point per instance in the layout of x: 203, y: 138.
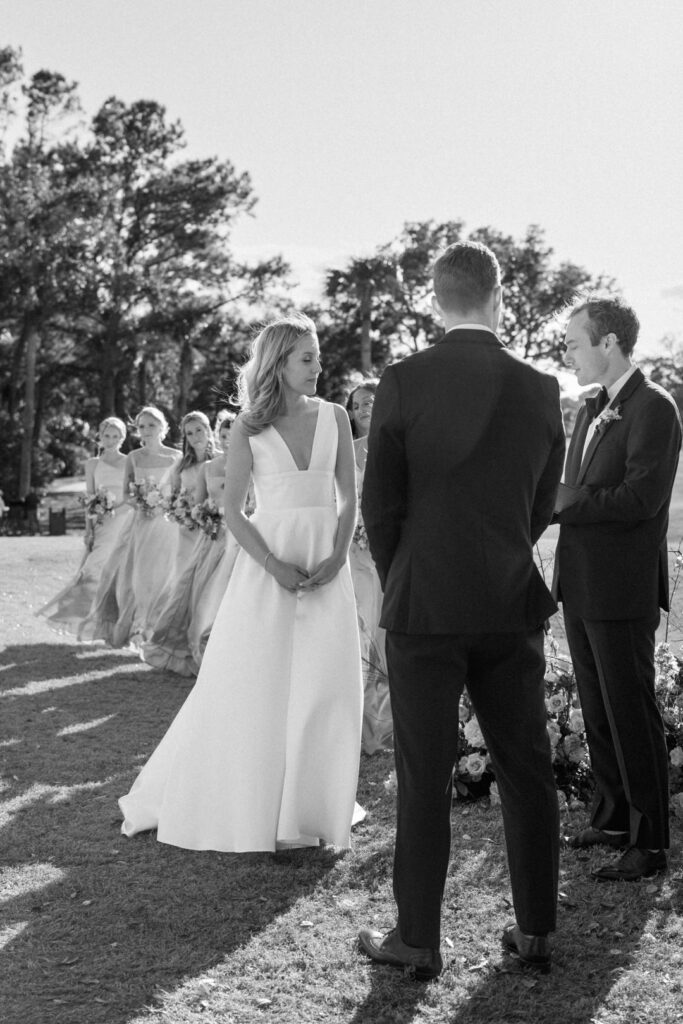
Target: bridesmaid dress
x: 139, y: 569
x: 69, y: 609
x: 169, y: 647
x: 213, y: 574
x: 378, y: 726
x: 265, y: 749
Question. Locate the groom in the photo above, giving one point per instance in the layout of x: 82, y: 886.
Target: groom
x: 611, y: 574
x: 464, y: 458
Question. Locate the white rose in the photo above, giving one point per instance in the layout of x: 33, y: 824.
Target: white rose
x: 576, y: 723
x: 462, y: 766
x: 676, y: 757
x: 473, y: 733
x: 476, y: 766
x: 677, y: 805
x: 153, y: 499
x: 556, y: 702
x: 573, y: 749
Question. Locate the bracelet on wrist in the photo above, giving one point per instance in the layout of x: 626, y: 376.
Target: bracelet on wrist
x: 265, y: 560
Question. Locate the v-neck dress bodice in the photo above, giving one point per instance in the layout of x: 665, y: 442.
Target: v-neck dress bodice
x: 265, y: 749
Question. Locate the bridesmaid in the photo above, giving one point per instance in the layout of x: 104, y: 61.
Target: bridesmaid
x: 213, y: 573
x: 69, y: 609
x: 139, y: 567
x: 377, y: 721
x: 168, y: 647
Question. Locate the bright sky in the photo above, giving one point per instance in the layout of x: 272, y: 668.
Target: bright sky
x: 353, y: 116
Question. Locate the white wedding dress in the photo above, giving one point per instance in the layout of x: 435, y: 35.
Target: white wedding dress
x: 266, y: 748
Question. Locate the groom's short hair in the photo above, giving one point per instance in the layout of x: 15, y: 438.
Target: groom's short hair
x: 609, y: 315
x: 464, y: 277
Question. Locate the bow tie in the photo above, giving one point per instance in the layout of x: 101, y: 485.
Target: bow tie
x: 595, y: 405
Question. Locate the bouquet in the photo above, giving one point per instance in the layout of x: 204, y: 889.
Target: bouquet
x: 180, y: 510
x: 360, y: 535
x: 208, y: 517
x: 146, y: 496
x: 98, y: 505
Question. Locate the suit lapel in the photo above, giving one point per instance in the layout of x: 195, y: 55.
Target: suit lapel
x: 634, y: 381
x: 576, y: 447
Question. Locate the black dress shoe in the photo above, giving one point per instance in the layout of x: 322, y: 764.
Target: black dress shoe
x: 422, y: 963
x: 631, y: 866
x: 533, y: 950
x: 596, y: 837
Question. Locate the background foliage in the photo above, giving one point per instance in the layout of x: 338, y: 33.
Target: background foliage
x: 119, y: 284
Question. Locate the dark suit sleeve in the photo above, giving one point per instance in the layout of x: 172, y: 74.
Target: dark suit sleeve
x: 385, y: 483
x: 652, y: 449
x: 544, y: 499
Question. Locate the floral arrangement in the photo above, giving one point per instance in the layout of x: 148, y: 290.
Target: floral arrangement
x: 180, y: 509
x: 607, y: 416
x: 208, y: 517
x: 360, y: 536
x: 474, y: 777
x: 146, y: 496
x: 98, y: 506
x: 669, y: 693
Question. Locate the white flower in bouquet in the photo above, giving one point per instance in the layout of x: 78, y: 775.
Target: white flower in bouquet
x: 573, y: 749
x: 473, y: 733
x: 676, y: 757
x: 676, y: 802
x: 463, y: 712
x: 476, y: 766
x: 576, y: 723
x: 561, y: 800
x: 556, y: 702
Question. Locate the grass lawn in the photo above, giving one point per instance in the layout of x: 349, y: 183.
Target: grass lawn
x: 99, y: 928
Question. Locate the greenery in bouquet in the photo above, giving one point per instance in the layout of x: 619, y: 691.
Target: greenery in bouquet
x: 180, y: 509
x: 146, y: 496
x: 98, y: 506
x: 571, y: 760
x: 669, y: 693
x: 208, y: 517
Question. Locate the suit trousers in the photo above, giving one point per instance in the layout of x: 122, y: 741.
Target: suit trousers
x: 615, y: 675
x: 504, y: 674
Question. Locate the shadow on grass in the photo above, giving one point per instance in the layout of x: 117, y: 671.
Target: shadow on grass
x: 599, y: 940
x: 30, y: 664
x: 96, y: 925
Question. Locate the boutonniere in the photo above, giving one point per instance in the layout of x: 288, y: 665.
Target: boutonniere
x: 607, y: 416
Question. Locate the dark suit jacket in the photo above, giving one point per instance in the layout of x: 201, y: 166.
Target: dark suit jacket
x: 464, y: 457
x: 611, y: 558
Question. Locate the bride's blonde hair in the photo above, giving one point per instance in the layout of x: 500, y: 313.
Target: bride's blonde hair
x: 259, y: 385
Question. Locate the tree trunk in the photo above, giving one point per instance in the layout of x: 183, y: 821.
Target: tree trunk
x: 184, y: 377
x: 30, y: 342
x: 365, y: 342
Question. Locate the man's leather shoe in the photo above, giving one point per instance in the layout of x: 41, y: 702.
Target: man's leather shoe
x: 533, y: 950
x: 422, y: 963
x: 631, y: 866
x: 596, y: 837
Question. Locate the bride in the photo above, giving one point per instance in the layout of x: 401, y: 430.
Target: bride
x: 265, y: 750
